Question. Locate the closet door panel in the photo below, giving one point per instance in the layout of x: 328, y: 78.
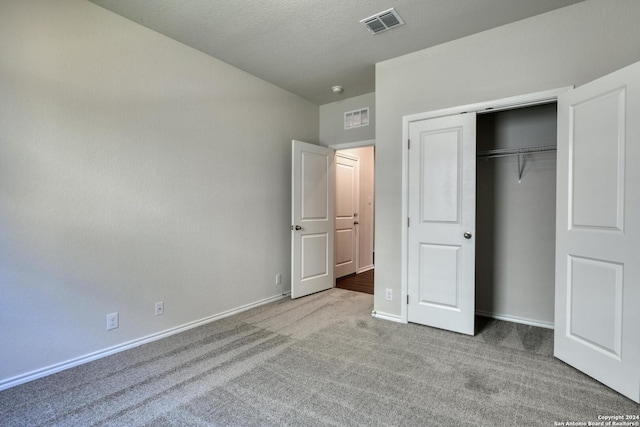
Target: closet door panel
x: 595, y: 304
x: 441, y: 242
x: 597, y: 171
x: 597, y: 321
x: 440, y: 170
x: 439, y: 275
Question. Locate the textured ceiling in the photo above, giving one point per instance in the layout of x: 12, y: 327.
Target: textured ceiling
x: 307, y: 46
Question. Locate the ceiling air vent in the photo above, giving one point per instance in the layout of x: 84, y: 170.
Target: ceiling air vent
x: 383, y: 21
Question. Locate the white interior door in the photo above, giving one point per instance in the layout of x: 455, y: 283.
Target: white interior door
x: 312, y: 216
x: 346, y: 221
x: 597, y: 308
x: 441, y: 252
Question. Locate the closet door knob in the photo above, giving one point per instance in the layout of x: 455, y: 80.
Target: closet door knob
x: 467, y: 235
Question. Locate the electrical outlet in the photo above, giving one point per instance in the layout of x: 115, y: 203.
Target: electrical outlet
x: 279, y: 279
x: 159, y: 308
x: 112, y: 321
x: 389, y: 294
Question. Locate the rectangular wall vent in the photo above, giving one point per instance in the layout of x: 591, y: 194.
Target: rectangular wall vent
x: 356, y: 118
x: 383, y: 21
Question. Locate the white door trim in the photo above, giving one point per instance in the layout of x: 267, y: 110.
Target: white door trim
x: 360, y: 144
x: 356, y: 230
x: 479, y: 108
x: 355, y: 144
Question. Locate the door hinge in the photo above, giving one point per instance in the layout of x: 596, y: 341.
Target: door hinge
x: 407, y: 299
x: 408, y: 144
x: 408, y: 222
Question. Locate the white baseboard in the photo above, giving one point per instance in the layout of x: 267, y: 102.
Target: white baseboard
x: 516, y: 319
x: 386, y: 316
x: 39, y: 373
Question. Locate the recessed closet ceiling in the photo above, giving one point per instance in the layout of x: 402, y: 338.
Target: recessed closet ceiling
x: 307, y: 46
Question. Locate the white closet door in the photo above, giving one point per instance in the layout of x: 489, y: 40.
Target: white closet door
x: 597, y: 314
x: 441, y: 246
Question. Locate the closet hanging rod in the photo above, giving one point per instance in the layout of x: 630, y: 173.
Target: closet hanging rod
x: 502, y: 152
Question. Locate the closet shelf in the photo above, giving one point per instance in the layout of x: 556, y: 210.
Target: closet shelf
x: 520, y: 152
x: 502, y: 152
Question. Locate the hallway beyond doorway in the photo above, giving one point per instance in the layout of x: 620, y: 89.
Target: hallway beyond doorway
x: 362, y: 282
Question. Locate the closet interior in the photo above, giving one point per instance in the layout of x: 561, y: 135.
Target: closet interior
x: 516, y: 214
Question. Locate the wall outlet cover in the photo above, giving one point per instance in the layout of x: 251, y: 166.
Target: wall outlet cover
x: 112, y: 321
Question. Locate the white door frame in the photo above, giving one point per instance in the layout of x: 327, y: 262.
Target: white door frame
x: 355, y: 144
x: 358, y: 144
x: 356, y: 231
x: 479, y: 108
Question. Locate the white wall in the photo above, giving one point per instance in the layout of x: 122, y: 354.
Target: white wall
x: 569, y: 46
x: 332, y: 129
x: 366, y: 204
x: 133, y: 169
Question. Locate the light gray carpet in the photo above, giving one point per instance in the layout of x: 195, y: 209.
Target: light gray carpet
x: 321, y: 360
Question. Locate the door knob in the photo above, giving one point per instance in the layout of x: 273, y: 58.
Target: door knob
x: 467, y: 235
x: 297, y: 228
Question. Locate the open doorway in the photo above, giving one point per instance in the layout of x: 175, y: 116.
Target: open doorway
x: 355, y: 218
x: 516, y: 214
